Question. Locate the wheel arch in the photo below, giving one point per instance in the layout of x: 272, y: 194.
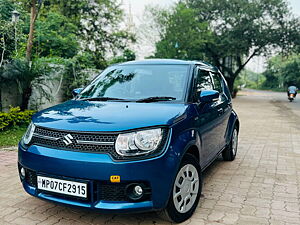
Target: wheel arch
x: 232, y: 123
x: 193, y: 150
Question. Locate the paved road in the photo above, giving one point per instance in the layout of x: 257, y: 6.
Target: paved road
x: 261, y: 186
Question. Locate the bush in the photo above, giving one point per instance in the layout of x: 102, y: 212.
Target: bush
x: 15, y: 117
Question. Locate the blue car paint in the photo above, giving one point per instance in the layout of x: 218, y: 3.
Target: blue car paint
x: 183, y: 120
x: 89, y: 116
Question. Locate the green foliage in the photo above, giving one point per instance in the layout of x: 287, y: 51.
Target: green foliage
x: 282, y: 72
x: 6, y: 7
x: 19, y: 71
x: 11, y: 34
x: 7, y: 46
x: 12, y: 136
x: 98, y: 26
x: 78, y: 72
x: 250, y: 79
x: 6, y: 31
x: 55, y: 36
x: 15, y: 117
x: 183, y: 36
x: 128, y: 55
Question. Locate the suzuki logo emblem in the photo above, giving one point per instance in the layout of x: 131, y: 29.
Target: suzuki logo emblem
x: 68, y: 139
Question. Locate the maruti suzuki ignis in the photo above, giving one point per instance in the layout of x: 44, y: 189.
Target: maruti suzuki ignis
x: 137, y: 138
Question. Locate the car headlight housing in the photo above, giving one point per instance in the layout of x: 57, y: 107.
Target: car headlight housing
x: 139, y: 143
x: 28, y: 134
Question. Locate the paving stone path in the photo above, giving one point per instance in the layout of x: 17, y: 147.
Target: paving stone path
x: 261, y: 186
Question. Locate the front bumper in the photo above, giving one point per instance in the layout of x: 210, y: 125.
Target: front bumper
x: 158, y: 173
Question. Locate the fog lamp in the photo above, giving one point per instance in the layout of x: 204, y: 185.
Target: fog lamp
x: 135, y: 192
x: 138, y: 190
x: 22, y: 172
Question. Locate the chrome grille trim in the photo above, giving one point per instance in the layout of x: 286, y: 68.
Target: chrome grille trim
x: 94, y: 142
x: 45, y: 137
x: 77, y: 141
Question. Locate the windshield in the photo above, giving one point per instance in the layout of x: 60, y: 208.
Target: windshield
x: 134, y: 82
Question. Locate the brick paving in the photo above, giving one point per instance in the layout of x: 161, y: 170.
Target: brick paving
x: 261, y: 186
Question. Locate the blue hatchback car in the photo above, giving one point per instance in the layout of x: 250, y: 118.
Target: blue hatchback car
x: 136, y: 139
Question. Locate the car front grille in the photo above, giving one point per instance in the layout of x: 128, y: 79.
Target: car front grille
x: 31, y: 177
x: 85, y: 142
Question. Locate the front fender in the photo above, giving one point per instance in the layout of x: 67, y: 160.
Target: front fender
x: 181, y: 141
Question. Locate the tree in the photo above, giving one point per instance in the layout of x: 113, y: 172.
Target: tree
x: 182, y: 34
x: 236, y: 31
x: 55, y: 36
x: 282, y: 72
x: 98, y: 23
x: 6, y: 31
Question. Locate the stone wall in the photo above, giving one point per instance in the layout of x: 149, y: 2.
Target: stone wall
x: 9, y: 96
x: 47, y: 90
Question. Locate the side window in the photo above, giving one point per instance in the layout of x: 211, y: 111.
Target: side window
x: 217, y: 82
x: 203, y: 81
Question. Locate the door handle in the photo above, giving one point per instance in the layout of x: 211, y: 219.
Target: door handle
x: 220, y: 111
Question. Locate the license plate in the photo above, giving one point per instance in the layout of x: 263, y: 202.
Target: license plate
x: 65, y: 187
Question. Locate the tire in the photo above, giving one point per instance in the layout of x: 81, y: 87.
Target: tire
x: 230, y: 151
x: 191, y: 188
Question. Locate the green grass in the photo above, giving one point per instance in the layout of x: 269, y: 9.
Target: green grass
x: 12, y: 136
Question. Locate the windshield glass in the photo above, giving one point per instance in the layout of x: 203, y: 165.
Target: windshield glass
x: 133, y: 82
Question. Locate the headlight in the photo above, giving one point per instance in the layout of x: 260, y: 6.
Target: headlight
x: 139, y: 142
x: 29, y: 133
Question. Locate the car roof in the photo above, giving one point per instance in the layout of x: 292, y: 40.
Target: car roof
x: 202, y: 64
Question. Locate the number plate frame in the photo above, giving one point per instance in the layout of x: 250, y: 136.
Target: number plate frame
x: 56, y: 190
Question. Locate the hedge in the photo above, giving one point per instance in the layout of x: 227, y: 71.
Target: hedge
x: 15, y: 117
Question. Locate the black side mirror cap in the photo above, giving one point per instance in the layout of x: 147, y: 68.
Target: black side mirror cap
x: 208, y: 96
x: 76, y: 91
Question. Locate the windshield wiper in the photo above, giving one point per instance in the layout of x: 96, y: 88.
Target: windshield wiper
x: 102, y: 99
x: 156, y: 99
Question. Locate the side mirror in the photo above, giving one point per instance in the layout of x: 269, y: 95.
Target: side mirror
x: 76, y: 91
x: 208, y: 96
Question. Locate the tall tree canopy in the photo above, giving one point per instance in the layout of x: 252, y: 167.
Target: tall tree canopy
x: 98, y: 26
x: 229, y: 33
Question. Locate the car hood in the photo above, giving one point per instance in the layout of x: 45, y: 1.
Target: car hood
x: 108, y: 116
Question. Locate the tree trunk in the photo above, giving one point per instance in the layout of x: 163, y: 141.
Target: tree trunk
x: 25, y: 98
x: 31, y: 30
x: 230, y: 83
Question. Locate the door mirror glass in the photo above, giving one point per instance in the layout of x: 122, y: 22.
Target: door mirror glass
x: 76, y: 91
x: 208, y: 96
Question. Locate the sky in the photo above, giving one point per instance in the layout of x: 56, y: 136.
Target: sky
x: 137, y: 10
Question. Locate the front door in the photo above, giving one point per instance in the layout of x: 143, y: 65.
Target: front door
x: 224, y: 107
x: 207, y: 119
